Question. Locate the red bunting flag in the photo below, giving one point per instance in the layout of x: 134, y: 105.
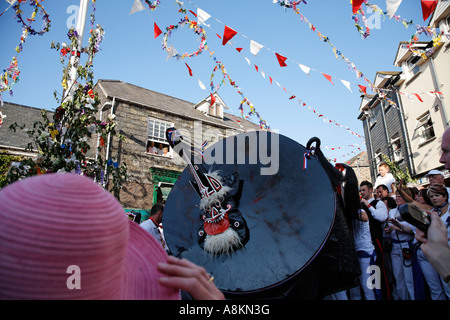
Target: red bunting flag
x: 292, y: 97
x: 190, y: 70
x: 156, y: 30
x: 418, y: 97
x: 428, y: 7
x: 270, y: 80
x: 256, y: 67
x: 356, y: 4
x: 363, y: 89
x: 213, y: 99
x: 281, y: 60
x: 328, y: 77
x: 239, y: 49
x: 228, y: 34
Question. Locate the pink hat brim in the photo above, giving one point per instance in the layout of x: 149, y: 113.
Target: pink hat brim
x: 140, y: 276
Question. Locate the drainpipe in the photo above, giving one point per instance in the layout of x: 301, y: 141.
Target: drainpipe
x: 385, y: 127
x: 412, y: 167
x: 436, y: 88
x: 108, y: 145
x: 370, y: 140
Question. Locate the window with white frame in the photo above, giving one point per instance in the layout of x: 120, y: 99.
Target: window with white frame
x: 156, y: 137
x: 397, y: 148
x: 424, y: 128
x: 378, y: 158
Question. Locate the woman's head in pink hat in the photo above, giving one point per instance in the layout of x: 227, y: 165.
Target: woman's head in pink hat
x: 62, y: 236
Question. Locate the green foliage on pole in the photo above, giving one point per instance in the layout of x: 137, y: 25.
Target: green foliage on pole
x: 62, y: 142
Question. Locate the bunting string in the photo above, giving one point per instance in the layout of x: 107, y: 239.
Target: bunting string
x: 281, y: 61
x: 432, y: 33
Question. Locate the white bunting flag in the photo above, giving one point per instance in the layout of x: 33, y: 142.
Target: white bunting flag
x: 202, y: 16
x: 137, y: 6
x: 170, y: 52
x: 392, y: 6
x: 255, y: 47
x: 347, y: 85
x: 305, y: 69
x: 201, y: 84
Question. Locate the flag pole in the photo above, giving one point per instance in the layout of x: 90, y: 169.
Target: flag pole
x: 76, y: 49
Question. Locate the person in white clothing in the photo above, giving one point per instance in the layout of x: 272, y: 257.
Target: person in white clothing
x: 402, y: 237
x: 437, y: 177
x: 377, y: 213
x: 366, y: 257
x: 385, y: 178
x: 153, y: 224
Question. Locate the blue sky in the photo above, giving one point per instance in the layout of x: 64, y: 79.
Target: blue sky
x: 130, y: 53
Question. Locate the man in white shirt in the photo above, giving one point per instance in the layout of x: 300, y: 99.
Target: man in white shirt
x: 153, y: 224
x: 377, y: 213
x: 366, y: 257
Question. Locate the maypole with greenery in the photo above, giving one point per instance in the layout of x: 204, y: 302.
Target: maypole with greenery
x: 62, y: 142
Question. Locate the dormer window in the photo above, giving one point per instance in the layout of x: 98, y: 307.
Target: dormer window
x: 216, y: 110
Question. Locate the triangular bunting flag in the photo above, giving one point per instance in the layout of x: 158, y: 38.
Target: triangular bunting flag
x: 239, y: 49
x: 281, y: 60
x: 356, y: 4
x: 363, y: 89
x: 190, y: 70
x: 418, y: 97
x: 228, y: 34
x: 213, y: 99
x: 270, y: 78
x: 305, y: 69
x: 347, y: 85
x: 255, y: 47
x: 328, y: 77
x: 156, y: 30
x: 428, y: 7
x: 137, y: 6
x: 202, y: 86
x: 392, y: 6
x: 171, y: 52
x: 292, y: 97
x: 256, y: 67
x: 202, y: 16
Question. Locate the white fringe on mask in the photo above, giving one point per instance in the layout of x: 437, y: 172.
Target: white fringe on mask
x: 207, y: 202
x: 225, y: 242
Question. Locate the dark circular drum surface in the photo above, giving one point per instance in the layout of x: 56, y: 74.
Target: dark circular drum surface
x: 289, y: 212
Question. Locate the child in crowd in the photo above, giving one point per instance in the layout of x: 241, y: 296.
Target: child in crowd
x: 385, y: 178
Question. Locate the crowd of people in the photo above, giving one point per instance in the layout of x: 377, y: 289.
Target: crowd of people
x: 412, y: 264
x: 62, y: 236
x: 161, y: 150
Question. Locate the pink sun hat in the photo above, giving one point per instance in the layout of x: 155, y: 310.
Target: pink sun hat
x: 62, y: 236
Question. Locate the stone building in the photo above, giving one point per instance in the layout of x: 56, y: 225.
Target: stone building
x: 142, y: 118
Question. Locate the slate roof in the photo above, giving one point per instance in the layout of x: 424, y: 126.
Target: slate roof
x: 133, y: 94
x: 22, y: 115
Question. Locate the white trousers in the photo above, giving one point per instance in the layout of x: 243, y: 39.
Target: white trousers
x: 403, y: 274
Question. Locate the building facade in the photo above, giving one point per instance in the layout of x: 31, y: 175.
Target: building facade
x: 142, y: 117
x: 408, y: 121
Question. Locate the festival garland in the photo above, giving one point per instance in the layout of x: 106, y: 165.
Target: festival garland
x: 436, y: 37
x: 197, y: 30
x: 281, y: 59
x: 62, y: 141
x: 12, y: 72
